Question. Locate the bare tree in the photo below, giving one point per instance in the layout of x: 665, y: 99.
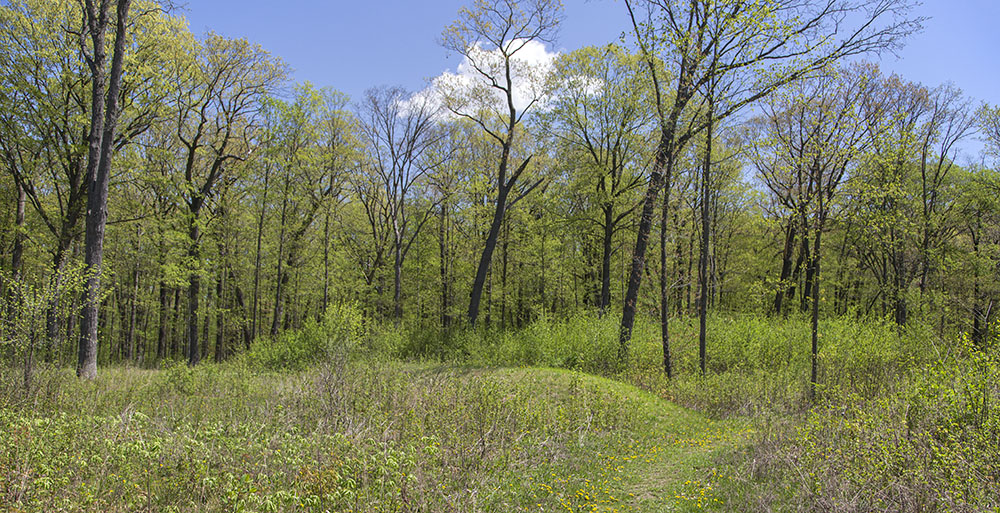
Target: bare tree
x: 400, y: 130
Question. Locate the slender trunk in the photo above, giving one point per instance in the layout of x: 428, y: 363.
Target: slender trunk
x: 901, y: 310
x: 53, y: 331
x: 175, y: 340
x: 807, y: 291
x: 703, y: 278
x: 254, y: 317
x: 326, y: 260
x: 161, y: 334
x: 609, y: 231
x: 194, y: 289
x: 210, y: 306
x: 220, y: 312
x: 17, y: 253
x: 813, y: 375
x: 665, y: 285
x: 443, y: 252
x: 397, y: 278
x: 978, y: 323
x: 241, y: 304
x: 133, y: 307
x: 281, y: 277
x: 503, y: 276
x: 786, y: 267
x: 680, y: 223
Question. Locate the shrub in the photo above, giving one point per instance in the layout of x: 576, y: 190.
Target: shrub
x: 341, y: 331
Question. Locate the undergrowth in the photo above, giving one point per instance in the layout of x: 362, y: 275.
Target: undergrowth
x: 344, y: 415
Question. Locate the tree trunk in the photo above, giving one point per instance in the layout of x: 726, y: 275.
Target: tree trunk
x: 487, y: 256
x: 194, y: 289
x: 326, y: 261
x: 662, y: 167
x: 814, y: 371
x: 281, y: 277
x: 978, y: 322
x: 786, y: 266
x: 175, y: 340
x: 17, y: 253
x: 397, y: 278
x: 254, y: 317
x: 503, y: 275
x: 665, y: 285
x: 444, y: 257
x: 609, y: 231
x: 102, y: 133
x: 220, y: 313
x: 133, y: 309
x: 703, y: 278
x: 161, y: 334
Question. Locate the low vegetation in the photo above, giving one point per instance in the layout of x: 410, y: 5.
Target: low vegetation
x: 380, y: 422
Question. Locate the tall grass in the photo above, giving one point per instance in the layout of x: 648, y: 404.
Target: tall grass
x: 341, y: 436
x: 903, y: 420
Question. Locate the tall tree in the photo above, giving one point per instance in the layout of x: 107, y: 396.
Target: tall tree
x: 769, y: 44
x: 400, y: 131
x: 103, y: 122
x: 818, y: 133
x: 599, y: 107
x: 224, y: 84
x: 493, y: 36
x: 313, y: 144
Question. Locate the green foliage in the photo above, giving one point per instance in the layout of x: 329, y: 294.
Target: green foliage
x: 925, y: 441
x: 341, y: 331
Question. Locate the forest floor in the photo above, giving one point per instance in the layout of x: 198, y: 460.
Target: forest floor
x: 353, y: 437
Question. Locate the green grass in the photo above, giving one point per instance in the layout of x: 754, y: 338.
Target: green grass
x: 331, y: 418
x: 349, y: 437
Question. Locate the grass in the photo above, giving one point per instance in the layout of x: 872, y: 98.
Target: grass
x: 348, y: 436
x: 524, y: 421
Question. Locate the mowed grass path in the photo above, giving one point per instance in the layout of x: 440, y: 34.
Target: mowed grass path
x: 352, y: 437
x: 665, y: 463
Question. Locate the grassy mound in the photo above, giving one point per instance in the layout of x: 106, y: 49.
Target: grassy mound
x: 348, y: 437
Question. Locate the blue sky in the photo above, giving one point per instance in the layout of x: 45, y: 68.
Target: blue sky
x: 354, y: 45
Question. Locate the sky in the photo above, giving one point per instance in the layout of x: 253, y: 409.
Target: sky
x: 353, y: 45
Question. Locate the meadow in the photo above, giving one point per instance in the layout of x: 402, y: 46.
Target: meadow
x: 343, y: 416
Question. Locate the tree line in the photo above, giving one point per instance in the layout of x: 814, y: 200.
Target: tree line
x: 173, y: 196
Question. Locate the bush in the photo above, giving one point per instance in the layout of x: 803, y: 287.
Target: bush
x: 341, y: 331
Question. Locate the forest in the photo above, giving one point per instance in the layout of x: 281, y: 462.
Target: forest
x: 725, y: 262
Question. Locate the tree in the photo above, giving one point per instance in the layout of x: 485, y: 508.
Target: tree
x: 312, y: 146
x: 400, y: 131
x: 103, y: 122
x: 598, y: 107
x: 760, y: 47
x: 45, y: 119
x: 224, y: 84
x: 814, y: 135
x: 492, y: 36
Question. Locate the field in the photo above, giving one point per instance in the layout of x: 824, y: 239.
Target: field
x: 519, y: 422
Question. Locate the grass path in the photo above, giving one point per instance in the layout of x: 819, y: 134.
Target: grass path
x: 664, y: 465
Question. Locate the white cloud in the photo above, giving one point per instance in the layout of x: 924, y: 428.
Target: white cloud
x: 469, y: 89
